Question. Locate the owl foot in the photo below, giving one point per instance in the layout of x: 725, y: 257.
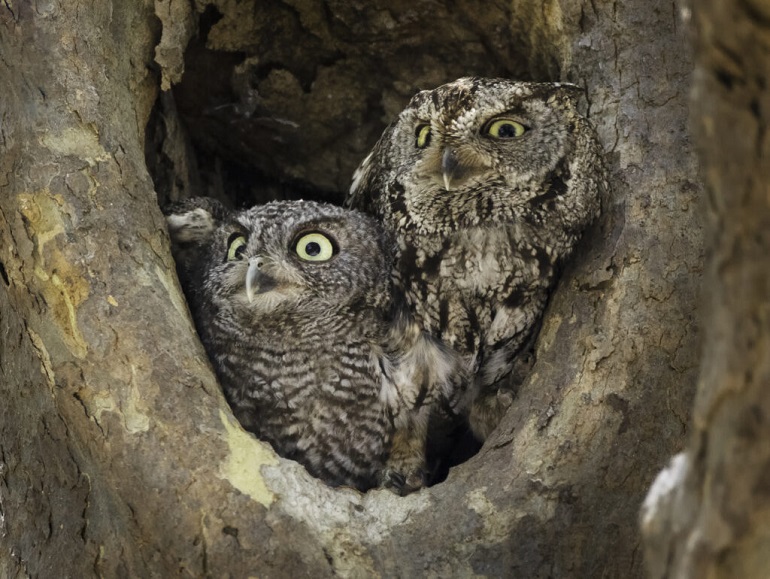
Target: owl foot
x: 488, y: 410
x: 405, y: 470
x: 400, y: 483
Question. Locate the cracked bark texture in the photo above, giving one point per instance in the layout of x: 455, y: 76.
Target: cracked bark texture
x: 118, y: 454
x: 708, y: 512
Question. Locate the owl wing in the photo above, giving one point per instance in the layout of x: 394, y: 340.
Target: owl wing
x: 420, y: 377
x: 421, y: 371
x: 370, y: 178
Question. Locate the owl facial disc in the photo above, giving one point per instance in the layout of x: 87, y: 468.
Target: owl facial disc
x: 257, y: 281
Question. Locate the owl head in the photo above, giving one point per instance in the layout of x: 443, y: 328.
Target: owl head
x: 282, y: 256
x: 471, y: 152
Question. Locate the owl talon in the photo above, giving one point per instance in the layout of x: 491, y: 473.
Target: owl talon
x: 402, y: 484
x: 392, y: 480
x: 404, y: 471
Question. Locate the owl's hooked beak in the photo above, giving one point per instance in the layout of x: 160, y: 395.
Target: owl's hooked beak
x: 257, y: 281
x: 454, y: 170
x: 449, y: 164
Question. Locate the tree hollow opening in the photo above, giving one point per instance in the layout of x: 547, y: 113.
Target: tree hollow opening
x: 283, y: 102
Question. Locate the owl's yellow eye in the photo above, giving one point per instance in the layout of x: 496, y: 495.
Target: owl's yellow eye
x: 505, y: 129
x: 422, y: 132
x: 314, y: 247
x: 235, y: 247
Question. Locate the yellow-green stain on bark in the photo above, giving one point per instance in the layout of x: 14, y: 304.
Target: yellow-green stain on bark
x: 81, y: 141
x: 242, y: 466
x: 59, y: 281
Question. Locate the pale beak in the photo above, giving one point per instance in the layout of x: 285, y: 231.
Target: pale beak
x: 449, y: 166
x: 257, y: 281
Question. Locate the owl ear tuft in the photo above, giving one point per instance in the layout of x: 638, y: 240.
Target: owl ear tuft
x: 194, y: 220
x: 568, y: 87
x: 569, y: 90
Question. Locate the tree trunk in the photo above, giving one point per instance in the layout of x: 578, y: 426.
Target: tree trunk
x: 118, y: 453
x: 708, y: 512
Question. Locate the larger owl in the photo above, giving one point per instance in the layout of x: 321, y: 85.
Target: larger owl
x: 488, y: 185
x: 316, y: 355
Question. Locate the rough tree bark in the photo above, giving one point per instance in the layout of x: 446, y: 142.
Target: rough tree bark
x: 118, y: 454
x: 708, y: 513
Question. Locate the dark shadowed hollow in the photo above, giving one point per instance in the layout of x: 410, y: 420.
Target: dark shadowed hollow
x: 277, y: 101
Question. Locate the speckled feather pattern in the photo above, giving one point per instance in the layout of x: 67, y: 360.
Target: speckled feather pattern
x: 323, y: 364
x: 478, y: 260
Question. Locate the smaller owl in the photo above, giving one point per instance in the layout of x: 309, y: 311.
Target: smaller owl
x: 316, y: 354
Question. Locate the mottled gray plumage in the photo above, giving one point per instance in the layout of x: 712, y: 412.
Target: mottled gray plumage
x: 295, y: 305
x: 488, y: 185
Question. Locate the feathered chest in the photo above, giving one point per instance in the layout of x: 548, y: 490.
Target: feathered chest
x: 458, y: 285
x: 309, y: 388
x: 286, y: 361
x: 480, y: 262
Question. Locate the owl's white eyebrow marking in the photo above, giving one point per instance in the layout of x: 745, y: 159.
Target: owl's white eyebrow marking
x: 466, y: 120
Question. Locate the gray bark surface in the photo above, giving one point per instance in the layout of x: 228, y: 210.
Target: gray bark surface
x: 707, y: 514
x: 118, y: 454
